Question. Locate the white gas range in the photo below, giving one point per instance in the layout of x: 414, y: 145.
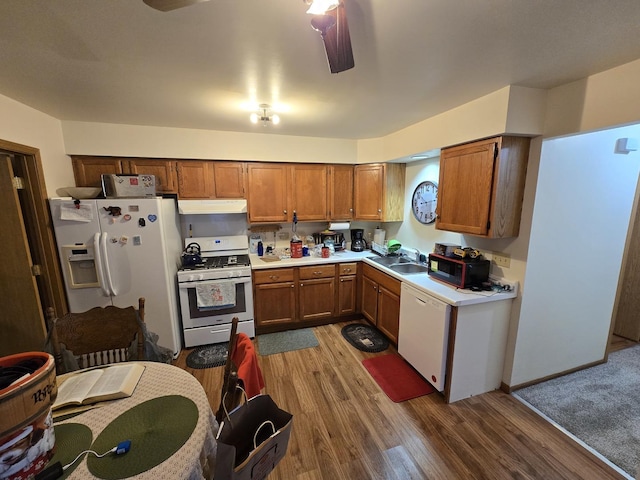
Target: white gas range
x: 216, y: 290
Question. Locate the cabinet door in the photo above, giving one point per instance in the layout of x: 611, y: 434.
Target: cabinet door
x: 368, y: 191
x: 308, y: 193
x: 341, y: 192
x: 316, y: 299
x: 267, y: 192
x: 369, y: 306
x: 88, y: 171
x: 347, y: 295
x: 464, y: 191
x: 164, y: 171
x: 388, y: 319
x: 195, y: 179
x: 275, y: 303
x: 229, y: 179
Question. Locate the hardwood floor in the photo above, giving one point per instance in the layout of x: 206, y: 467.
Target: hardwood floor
x: 345, y: 427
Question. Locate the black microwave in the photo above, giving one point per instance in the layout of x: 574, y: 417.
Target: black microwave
x: 459, y: 272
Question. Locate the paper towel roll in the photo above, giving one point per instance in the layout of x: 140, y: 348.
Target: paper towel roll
x: 339, y: 226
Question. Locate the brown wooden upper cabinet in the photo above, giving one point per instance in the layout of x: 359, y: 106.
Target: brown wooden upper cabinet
x: 190, y: 179
x: 378, y: 192
x: 164, y: 171
x: 267, y: 192
x: 229, y: 178
x: 481, y: 187
x: 276, y: 190
x: 88, y: 171
x: 341, y: 192
x: 308, y: 192
x: 195, y: 179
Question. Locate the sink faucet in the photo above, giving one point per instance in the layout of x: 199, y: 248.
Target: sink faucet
x: 417, y: 255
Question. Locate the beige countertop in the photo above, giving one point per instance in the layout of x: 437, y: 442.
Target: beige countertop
x: 442, y: 291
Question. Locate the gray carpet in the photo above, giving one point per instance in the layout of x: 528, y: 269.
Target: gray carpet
x: 271, y: 343
x: 599, y: 405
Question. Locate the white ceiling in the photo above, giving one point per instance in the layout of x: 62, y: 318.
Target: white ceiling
x: 120, y: 61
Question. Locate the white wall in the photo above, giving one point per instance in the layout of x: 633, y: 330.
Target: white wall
x: 584, y: 198
x: 85, y: 138
x: 24, y: 125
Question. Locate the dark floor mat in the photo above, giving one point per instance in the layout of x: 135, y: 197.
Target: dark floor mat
x: 365, y: 337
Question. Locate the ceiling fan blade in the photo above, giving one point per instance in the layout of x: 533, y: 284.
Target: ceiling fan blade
x: 337, y: 42
x: 168, y: 5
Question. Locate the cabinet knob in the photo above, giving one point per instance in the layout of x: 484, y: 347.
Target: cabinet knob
x: 284, y: 211
x: 379, y: 210
x: 347, y: 270
x: 317, y: 273
x: 342, y: 279
x: 302, y: 284
x: 274, y: 277
x: 351, y: 210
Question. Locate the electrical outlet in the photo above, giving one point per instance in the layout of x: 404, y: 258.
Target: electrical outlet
x: 502, y: 259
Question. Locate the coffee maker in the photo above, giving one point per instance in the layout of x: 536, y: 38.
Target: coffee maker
x: 358, y: 243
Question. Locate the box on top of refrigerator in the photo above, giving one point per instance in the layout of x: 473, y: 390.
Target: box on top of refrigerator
x: 128, y: 186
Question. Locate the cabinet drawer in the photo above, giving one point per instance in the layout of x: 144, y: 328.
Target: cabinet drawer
x: 317, y: 271
x: 275, y: 275
x: 381, y: 278
x: 348, y: 268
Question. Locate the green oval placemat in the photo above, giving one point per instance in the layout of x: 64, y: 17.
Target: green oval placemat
x: 157, y: 429
x: 71, y: 439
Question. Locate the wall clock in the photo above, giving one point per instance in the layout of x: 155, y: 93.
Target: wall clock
x: 424, y: 201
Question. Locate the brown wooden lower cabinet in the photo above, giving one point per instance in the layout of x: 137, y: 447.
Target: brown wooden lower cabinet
x: 381, y: 301
x: 274, y: 299
x: 286, y: 298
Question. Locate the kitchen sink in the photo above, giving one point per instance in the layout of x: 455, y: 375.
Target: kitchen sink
x: 407, y: 268
x: 387, y: 261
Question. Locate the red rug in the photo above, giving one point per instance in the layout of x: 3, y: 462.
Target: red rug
x: 397, y: 378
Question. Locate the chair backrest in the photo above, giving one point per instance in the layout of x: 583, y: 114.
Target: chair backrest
x: 98, y: 336
x: 230, y: 396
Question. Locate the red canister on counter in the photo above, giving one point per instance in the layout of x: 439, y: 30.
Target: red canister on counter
x: 325, y: 252
x: 296, y: 248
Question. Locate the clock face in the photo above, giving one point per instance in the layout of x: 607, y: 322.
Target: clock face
x: 424, y: 201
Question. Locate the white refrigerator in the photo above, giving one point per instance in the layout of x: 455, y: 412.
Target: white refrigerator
x: 116, y: 250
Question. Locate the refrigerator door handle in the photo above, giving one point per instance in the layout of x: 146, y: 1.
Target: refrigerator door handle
x: 105, y: 261
x: 98, y: 261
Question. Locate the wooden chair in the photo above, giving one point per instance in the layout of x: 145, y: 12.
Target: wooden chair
x: 98, y: 336
x: 231, y: 396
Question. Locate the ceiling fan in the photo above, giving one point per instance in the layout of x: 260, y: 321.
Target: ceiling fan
x: 334, y: 29
x: 168, y: 5
x: 330, y: 20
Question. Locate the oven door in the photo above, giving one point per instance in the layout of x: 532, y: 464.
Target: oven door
x: 197, y: 313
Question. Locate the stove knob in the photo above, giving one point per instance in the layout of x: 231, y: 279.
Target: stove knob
x: 195, y: 277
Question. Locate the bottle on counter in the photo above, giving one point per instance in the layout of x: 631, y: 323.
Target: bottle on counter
x: 260, y: 249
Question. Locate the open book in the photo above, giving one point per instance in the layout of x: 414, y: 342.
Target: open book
x: 98, y: 385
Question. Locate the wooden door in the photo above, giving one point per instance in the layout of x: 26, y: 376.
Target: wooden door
x: 229, y: 179
x: 275, y: 303
x: 309, y: 193
x: 195, y: 179
x: 368, y: 191
x: 626, y: 320
x: 465, y: 187
x: 163, y: 170
x: 341, y: 192
x: 388, y: 313
x: 267, y: 192
x: 88, y: 170
x: 23, y: 327
x: 347, y: 295
x: 369, y: 299
x: 316, y: 299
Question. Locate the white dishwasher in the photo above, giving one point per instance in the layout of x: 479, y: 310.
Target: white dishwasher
x: 424, y: 333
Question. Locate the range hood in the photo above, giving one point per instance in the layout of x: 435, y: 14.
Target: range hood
x: 211, y: 207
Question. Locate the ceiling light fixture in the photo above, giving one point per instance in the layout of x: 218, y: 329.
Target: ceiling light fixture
x: 263, y: 116
x: 320, y: 7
